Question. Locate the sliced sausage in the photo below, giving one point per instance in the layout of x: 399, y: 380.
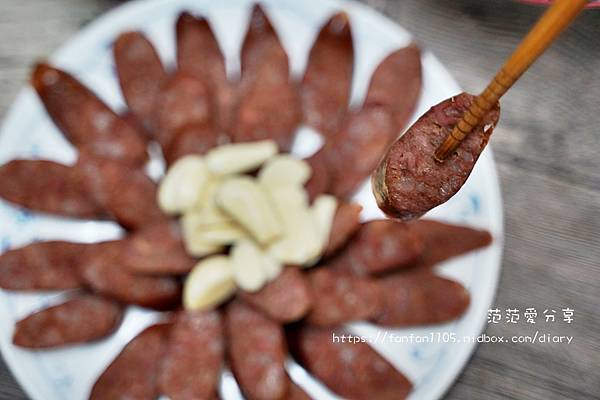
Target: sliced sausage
x: 195, y: 138
x: 346, y: 222
x: 191, y: 367
x: 353, y: 370
x: 409, y: 182
x: 285, y: 299
x: 341, y: 297
x: 79, y: 320
x: 199, y: 55
x: 262, y: 52
x: 42, y: 266
x: 328, y: 77
x: 443, y: 241
x: 268, y: 109
x: 355, y: 150
x: 102, y: 272
x: 157, y: 249
x: 126, y: 192
x: 46, y: 186
x: 84, y: 119
x: 320, y: 178
x: 257, y: 352
x: 420, y: 298
x: 133, y: 373
x: 183, y: 100
x: 396, y: 84
x: 380, y: 246
x: 141, y: 74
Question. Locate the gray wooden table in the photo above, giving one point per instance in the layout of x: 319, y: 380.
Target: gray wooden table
x: 547, y: 152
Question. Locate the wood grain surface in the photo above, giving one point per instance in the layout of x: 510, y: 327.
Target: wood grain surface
x: 546, y: 146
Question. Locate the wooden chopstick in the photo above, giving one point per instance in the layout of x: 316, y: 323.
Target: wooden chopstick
x: 545, y: 31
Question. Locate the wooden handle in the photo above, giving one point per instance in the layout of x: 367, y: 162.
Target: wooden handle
x: 552, y: 23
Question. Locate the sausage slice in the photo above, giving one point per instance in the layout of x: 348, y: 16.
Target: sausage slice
x: 396, y: 84
x: 341, y: 297
x: 346, y: 222
x: 126, y: 192
x: 102, y: 271
x: 48, y: 187
x: 79, y: 320
x: 257, y: 352
x: 352, y: 370
x: 191, y: 367
x: 157, y: 249
x: 199, y: 55
x: 327, y: 81
x: 141, y: 74
x: 420, y: 298
x: 409, y: 182
x: 285, y: 299
x: 42, y: 266
x: 443, y: 241
x: 133, y: 373
x: 379, y: 246
x: 84, y: 119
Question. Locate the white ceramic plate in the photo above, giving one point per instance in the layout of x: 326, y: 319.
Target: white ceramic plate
x: 28, y: 132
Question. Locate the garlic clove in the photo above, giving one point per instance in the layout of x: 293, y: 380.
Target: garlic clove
x: 283, y: 170
x: 249, y: 205
x: 183, y: 184
x: 248, y: 265
x: 209, y: 284
x: 240, y: 157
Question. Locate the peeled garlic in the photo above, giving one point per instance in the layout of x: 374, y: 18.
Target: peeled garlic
x: 240, y: 157
x: 300, y: 242
x: 209, y: 284
x: 248, y: 204
x: 183, y: 184
x: 221, y: 234
x: 194, y: 243
x: 284, y: 170
x: 249, y: 269
x: 272, y: 267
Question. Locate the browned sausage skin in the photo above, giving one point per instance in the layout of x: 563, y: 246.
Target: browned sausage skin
x: 443, y: 241
x: 102, y: 272
x: 81, y: 319
x: 409, y: 182
x: 269, y: 105
x: 48, y: 187
x: 125, y: 192
x: 141, y: 75
x: 256, y: 352
x: 396, y: 84
x: 341, y: 297
x: 285, y: 299
x: 133, y: 373
x: 42, y: 266
x: 199, y: 55
x: 84, y: 119
x: 365, y: 135
x: 192, y: 364
x: 379, y: 246
x: 327, y: 81
x: 420, y: 298
x: 262, y: 51
x: 352, y: 370
x: 346, y: 222
x: 157, y: 250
